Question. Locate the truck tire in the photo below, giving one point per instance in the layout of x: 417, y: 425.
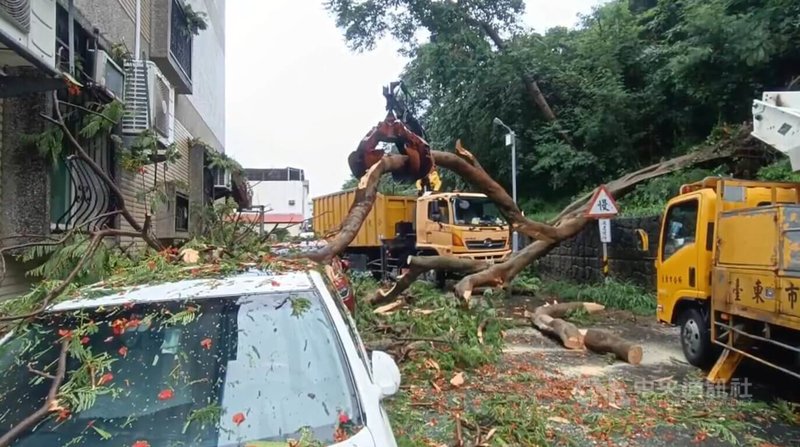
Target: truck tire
x: 696, y: 338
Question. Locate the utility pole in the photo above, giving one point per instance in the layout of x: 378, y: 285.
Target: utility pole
x: 511, y: 140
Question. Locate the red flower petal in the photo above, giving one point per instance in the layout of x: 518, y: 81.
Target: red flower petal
x: 238, y: 418
x: 206, y: 343
x: 64, y: 333
x: 165, y: 394
x: 63, y: 414
x: 141, y: 443
x: 343, y: 418
x: 105, y: 378
x: 123, y: 351
x: 84, y: 340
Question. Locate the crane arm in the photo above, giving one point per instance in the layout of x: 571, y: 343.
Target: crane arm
x: 776, y: 122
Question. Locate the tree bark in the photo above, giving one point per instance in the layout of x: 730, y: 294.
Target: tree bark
x: 603, y: 341
x: 567, y: 332
x: 45, y: 409
x: 366, y: 192
x: 548, y: 319
x: 417, y: 265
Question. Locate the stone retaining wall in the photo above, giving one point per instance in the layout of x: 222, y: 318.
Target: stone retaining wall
x: 580, y: 258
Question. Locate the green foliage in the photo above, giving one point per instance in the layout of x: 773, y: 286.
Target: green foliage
x: 612, y: 294
x: 216, y: 159
x: 195, y: 20
x: 101, y: 118
x: 780, y: 171
x: 145, y: 150
x: 632, y: 85
x: 58, y: 259
x: 526, y: 282
x: 49, y: 142
x: 651, y: 197
x: 386, y: 185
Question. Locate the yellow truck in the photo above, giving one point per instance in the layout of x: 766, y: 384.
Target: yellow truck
x: 728, y: 261
x: 448, y: 224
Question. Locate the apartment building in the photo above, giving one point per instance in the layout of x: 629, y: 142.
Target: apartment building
x: 164, y: 59
x: 283, y: 192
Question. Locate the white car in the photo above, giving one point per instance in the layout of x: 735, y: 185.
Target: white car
x: 246, y: 360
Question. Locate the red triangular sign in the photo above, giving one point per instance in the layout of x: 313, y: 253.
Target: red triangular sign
x: 602, y: 204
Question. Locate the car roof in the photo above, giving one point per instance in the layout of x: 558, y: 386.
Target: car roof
x: 247, y: 283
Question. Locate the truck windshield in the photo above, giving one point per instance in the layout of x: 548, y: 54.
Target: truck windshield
x: 219, y: 372
x: 679, y: 228
x: 476, y: 211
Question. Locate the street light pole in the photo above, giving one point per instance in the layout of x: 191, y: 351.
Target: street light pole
x: 513, y: 143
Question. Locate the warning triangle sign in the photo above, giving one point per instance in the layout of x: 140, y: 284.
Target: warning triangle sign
x: 602, y: 204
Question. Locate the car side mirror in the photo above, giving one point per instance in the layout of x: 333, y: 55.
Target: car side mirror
x: 386, y: 374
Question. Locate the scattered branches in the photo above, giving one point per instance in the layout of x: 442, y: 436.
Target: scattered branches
x: 50, y: 405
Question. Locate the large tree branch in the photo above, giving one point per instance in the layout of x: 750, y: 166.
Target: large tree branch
x: 49, y: 403
x: 466, y: 166
x: 418, y: 265
x: 94, y: 244
x: 571, y: 220
x: 102, y: 174
x: 366, y: 192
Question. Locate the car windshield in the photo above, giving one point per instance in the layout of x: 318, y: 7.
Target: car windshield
x: 476, y: 211
x: 217, y: 372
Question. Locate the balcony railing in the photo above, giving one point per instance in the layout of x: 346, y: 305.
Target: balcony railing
x: 180, y: 39
x: 78, y: 196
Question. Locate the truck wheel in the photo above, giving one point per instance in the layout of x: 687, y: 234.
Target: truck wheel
x: 696, y: 338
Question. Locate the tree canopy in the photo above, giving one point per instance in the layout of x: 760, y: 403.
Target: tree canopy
x: 635, y: 82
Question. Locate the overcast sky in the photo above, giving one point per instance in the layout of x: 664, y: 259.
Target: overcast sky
x: 296, y: 96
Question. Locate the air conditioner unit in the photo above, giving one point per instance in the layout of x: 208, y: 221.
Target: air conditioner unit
x: 162, y: 105
x: 150, y: 102
x: 31, y: 24
x: 222, y: 178
x: 108, y: 74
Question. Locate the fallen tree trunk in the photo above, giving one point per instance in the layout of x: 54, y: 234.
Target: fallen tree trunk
x: 548, y: 319
x: 567, y: 332
x: 569, y: 223
x: 603, y: 342
x: 366, y: 192
x: 418, y: 265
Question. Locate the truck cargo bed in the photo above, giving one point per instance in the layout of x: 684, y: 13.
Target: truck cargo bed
x: 331, y: 210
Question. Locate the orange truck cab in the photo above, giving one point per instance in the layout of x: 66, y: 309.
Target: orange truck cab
x: 457, y: 224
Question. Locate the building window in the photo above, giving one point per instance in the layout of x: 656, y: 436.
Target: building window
x: 181, y: 212
x: 291, y: 203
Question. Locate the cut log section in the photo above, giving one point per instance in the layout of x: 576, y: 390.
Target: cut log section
x: 602, y: 342
x: 548, y: 319
x: 567, y: 332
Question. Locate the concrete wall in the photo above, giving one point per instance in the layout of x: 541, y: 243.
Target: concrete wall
x: 24, y: 183
x: 580, y: 258
x: 203, y: 112
x: 277, y: 195
x: 116, y: 20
